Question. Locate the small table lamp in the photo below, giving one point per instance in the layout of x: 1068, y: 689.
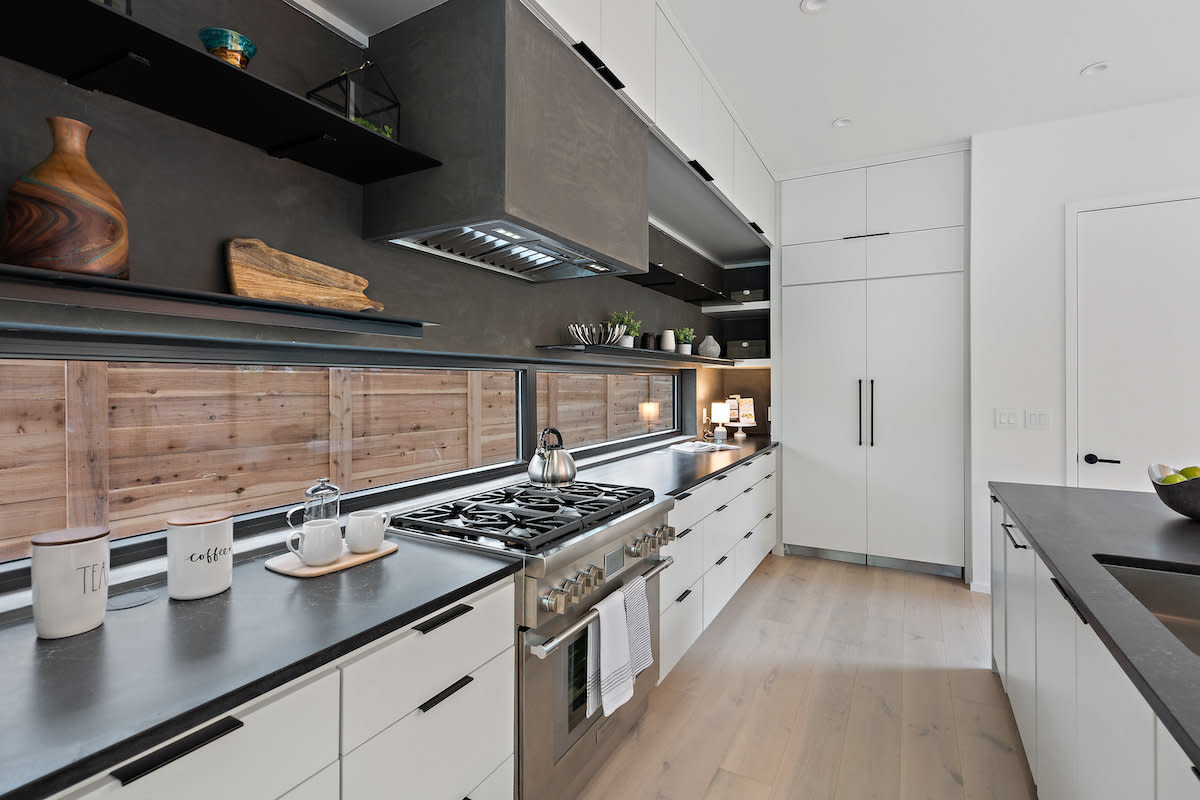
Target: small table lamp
x: 720, y: 415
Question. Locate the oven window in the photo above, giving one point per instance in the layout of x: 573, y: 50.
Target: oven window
x: 577, y: 681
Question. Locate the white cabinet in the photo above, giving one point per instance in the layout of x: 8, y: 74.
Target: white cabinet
x: 999, y: 627
x: 500, y: 785
x: 627, y: 47
x: 1175, y: 776
x: 822, y: 262
x: 681, y: 623
x: 688, y: 552
x: 1055, y: 656
x: 915, y: 253
x: 824, y: 207
x: 917, y: 194
x: 1115, y: 758
x: 581, y: 19
x: 677, y: 78
x: 1020, y: 592
x: 325, y: 785
x: 718, y: 587
x: 715, y: 144
x: 753, y: 186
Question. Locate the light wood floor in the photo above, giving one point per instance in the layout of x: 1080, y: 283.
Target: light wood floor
x: 823, y: 680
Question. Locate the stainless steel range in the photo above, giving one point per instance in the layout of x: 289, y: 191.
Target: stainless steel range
x: 580, y: 543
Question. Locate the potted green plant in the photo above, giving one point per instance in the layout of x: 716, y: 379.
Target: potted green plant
x: 632, y: 326
x: 683, y: 341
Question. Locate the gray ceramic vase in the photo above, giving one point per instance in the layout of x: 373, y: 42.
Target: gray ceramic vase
x: 709, y: 347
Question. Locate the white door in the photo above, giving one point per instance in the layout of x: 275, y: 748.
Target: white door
x: 1055, y: 678
x: 579, y: 18
x: 1138, y: 280
x: 825, y: 207
x: 915, y: 424
x: 917, y: 194
x: 677, y: 78
x: 627, y: 47
x: 1021, y: 645
x: 823, y: 381
x: 716, y: 138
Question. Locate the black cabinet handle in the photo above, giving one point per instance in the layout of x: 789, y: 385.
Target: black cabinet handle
x: 1008, y: 533
x: 175, y: 750
x: 1067, y: 597
x: 769, y: 515
x: 995, y: 499
x: 720, y: 477
x: 860, y: 412
x: 1196, y: 772
x: 867, y: 235
x: 721, y: 560
x: 444, y: 694
x: 720, y: 509
x: 441, y: 619
x: 748, y: 491
x: 594, y: 61
x: 683, y: 495
x: 683, y: 596
x: 872, y: 412
x: 1092, y: 458
x: 748, y: 534
x: 700, y: 170
x: 682, y: 534
x: 757, y: 228
x: 769, y: 475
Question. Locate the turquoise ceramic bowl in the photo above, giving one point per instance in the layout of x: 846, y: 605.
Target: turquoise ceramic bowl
x: 227, y: 45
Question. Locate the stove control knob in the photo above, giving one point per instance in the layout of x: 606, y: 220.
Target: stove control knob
x: 573, y: 588
x: 586, y: 579
x: 665, y: 534
x: 650, y: 544
x: 596, y: 574
x: 636, y: 548
x: 555, y: 601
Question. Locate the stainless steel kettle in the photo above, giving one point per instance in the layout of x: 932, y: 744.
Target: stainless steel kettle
x: 551, y: 465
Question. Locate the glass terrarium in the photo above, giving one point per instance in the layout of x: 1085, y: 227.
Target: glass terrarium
x: 363, y: 95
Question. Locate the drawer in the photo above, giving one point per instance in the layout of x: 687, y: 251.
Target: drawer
x: 766, y: 534
x: 718, y: 587
x: 679, y: 627
x: 282, y: 742
x: 325, y: 785
x: 732, y: 483
x: 762, y: 466
x: 693, y: 505
x: 688, y: 552
x: 391, y: 679
x: 443, y: 752
x: 500, y: 785
x: 725, y: 527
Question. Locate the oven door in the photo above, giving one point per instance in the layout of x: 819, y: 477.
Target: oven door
x: 561, y: 746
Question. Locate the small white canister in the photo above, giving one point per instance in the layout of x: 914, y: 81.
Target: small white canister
x: 199, y: 553
x: 70, y: 581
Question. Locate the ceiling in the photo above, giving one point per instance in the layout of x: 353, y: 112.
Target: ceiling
x: 360, y: 19
x: 916, y: 75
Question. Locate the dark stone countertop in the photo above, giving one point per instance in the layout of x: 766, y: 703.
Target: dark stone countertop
x: 1068, y: 527
x: 71, y: 708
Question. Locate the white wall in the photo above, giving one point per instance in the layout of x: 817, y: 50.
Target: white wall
x: 1021, y: 180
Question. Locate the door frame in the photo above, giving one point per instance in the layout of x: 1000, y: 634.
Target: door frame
x: 1072, y: 211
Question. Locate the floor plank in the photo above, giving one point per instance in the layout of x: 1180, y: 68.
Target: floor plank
x: 829, y: 681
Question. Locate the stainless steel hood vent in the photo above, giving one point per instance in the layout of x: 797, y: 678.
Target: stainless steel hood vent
x: 544, y: 168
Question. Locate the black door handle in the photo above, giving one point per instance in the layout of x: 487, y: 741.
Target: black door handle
x: 872, y: 412
x: 1070, y: 602
x: 1008, y: 532
x: 1092, y: 458
x: 860, y: 412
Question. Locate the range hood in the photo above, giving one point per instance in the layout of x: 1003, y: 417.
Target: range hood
x: 544, y: 168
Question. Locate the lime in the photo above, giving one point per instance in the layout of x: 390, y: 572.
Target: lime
x: 1174, y: 477
x: 1190, y: 472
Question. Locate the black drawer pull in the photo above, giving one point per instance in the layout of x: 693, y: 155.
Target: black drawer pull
x: 683, y: 495
x: 748, y: 491
x: 720, y: 477
x: 175, y: 750
x: 429, y: 704
x: 1067, y: 597
x: 757, y: 228
x: 769, y: 515
x: 720, y: 509
x: 700, y: 170
x: 683, y: 596
x: 721, y: 561
x: 1196, y: 772
x: 446, y: 616
x: 867, y: 235
x: 682, y: 534
x: 769, y: 475
x: 1008, y: 533
x: 995, y: 499
x: 748, y: 535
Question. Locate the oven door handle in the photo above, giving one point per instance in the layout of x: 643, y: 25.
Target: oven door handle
x: 547, y: 647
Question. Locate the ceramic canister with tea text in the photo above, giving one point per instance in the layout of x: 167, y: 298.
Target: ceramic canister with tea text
x: 70, y: 581
x: 199, y: 553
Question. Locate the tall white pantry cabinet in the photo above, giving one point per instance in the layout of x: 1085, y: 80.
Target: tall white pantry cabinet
x: 872, y: 360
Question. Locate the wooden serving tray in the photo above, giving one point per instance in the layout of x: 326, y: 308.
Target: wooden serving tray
x: 290, y: 564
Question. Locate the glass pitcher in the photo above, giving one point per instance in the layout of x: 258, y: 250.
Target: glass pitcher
x: 321, y: 501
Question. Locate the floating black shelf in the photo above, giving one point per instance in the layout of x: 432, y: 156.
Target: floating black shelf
x: 97, y: 48
x: 675, y: 285
x: 48, y: 301
x: 636, y: 353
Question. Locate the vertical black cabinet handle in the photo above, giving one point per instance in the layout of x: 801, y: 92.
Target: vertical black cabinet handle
x: 1008, y: 532
x: 1070, y: 602
x: 872, y: 412
x: 860, y: 412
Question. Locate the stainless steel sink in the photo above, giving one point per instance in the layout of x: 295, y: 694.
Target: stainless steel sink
x: 1173, y: 597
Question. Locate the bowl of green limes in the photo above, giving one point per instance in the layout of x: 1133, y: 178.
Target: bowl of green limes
x: 1178, y: 489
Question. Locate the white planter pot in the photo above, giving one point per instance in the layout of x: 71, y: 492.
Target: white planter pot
x: 625, y: 341
x: 666, y: 342
x: 684, y: 349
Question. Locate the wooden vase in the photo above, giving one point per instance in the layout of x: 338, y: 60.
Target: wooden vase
x: 61, y: 215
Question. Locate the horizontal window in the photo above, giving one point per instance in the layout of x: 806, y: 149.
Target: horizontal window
x: 127, y: 444
x: 591, y: 408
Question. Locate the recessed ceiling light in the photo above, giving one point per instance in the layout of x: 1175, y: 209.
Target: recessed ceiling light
x: 813, y: 6
x: 843, y: 122
x: 1092, y: 70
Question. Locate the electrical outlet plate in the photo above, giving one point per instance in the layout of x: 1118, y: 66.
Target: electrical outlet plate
x: 1007, y: 418
x: 1037, y: 419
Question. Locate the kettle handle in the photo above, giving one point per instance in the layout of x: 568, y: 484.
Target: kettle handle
x: 542, y: 439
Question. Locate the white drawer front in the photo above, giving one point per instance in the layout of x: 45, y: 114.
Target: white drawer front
x: 500, y: 785
x: 764, y: 465
x: 390, y: 681
x: 692, y: 506
x: 917, y: 253
x: 819, y: 262
x: 679, y: 627
x: 730, y: 484
x: 745, y: 559
x: 765, y: 535
x: 281, y: 743
x: 688, y: 553
x: 718, y: 588
x: 442, y: 753
x: 325, y: 785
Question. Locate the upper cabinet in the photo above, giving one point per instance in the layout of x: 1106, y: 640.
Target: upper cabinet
x: 917, y: 195
x: 627, y: 47
x: 715, y: 155
x: 581, y: 19
x: 677, y: 79
x: 753, y: 186
x: 825, y: 207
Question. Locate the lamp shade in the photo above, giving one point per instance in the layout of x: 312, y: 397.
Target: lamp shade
x: 720, y: 413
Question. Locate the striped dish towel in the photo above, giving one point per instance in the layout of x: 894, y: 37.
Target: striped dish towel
x: 615, y: 673
x: 637, y: 621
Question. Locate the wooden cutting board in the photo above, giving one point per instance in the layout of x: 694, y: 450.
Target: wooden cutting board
x: 262, y: 272
x: 290, y: 564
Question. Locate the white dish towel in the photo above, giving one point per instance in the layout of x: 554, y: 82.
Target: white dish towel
x: 610, y: 675
x: 637, y: 621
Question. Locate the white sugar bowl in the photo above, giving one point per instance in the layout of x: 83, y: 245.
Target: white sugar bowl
x: 69, y: 570
x: 199, y: 553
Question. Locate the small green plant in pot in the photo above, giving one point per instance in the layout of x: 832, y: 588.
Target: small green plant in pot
x: 632, y: 326
x: 683, y: 340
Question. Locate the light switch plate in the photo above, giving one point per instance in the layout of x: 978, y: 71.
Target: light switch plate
x: 1007, y: 418
x: 1037, y: 419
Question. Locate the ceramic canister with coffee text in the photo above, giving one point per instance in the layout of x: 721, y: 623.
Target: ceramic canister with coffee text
x: 199, y: 553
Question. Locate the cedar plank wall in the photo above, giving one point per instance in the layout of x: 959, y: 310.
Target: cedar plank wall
x: 594, y: 408
x: 130, y: 443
